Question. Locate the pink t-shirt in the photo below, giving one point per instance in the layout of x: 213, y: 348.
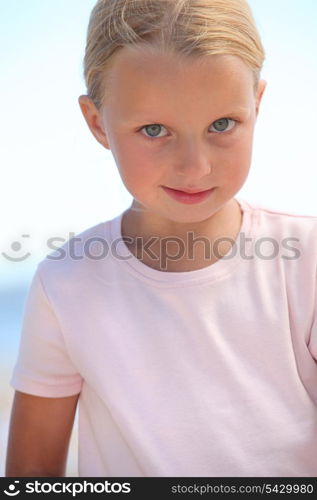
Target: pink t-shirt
x: 211, y: 372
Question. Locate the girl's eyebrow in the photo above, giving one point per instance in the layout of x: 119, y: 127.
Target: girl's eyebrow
x: 146, y: 116
x: 238, y: 111
x: 137, y: 119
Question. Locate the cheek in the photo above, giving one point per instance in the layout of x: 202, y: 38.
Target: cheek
x: 135, y: 165
x: 236, y: 159
x: 241, y: 149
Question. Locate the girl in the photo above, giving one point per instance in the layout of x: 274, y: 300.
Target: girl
x: 186, y: 326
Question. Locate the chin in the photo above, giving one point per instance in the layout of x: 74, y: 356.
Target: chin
x: 190, y: 216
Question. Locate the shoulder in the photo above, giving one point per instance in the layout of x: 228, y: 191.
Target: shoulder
x: 77, y: 262
x: 287, y: 238
x: 272, y: 221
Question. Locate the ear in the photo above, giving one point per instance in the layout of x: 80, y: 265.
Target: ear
x: 93, y: 119
x: 261, y: 87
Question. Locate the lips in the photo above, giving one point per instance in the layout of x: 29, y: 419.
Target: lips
x: 190, y: 191
x: 188, y: 198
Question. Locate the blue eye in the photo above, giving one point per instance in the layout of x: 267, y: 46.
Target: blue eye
x: 223, y: 124
x: 154, y: 129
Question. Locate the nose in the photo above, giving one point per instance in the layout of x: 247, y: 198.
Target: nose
x: 194, y: 161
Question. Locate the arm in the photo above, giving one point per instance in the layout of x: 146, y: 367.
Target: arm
x: 39, y: 434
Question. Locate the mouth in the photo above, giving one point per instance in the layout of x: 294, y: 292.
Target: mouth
x: 189, y: 191
x: 187, y: 197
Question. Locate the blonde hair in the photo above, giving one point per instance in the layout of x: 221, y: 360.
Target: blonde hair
x: 182, y: 27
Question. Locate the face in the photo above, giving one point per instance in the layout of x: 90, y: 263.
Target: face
x: 179, y: 123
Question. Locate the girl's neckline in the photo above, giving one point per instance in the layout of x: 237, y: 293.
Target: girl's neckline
x: 220, y: 269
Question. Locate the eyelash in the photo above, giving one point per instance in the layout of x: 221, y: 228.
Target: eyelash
x: 218, y: 133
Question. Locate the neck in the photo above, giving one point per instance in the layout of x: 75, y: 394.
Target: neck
x: 152, y: 238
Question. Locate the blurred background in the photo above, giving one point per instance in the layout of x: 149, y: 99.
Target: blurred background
x: 57, y: 179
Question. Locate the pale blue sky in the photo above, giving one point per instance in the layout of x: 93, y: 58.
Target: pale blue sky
x: 57, y: 179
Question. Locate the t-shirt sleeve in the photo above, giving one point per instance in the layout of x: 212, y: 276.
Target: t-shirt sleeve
x: 312, y: 345
x: 43, y: 367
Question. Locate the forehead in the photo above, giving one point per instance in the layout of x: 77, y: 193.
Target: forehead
x: 149, y: 79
